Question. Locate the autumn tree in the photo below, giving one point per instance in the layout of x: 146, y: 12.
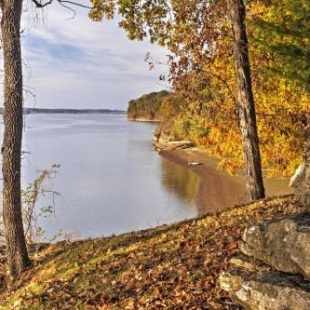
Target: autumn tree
x: 11, y: 10
x: 192, y: 31
x: 278, y: 32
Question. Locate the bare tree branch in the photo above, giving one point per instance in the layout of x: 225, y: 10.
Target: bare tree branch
x: 64, y: 3
x: 74, y: 3
x: 68, y: 8
x: 40, y: 5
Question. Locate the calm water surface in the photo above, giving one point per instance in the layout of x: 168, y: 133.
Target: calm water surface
x: 110, y: 179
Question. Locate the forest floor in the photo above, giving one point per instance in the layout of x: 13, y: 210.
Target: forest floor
x: 169, y: 267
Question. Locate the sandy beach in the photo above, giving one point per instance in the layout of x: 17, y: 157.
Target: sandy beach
x: 218, y: 190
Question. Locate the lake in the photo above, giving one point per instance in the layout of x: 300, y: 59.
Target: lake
x: 110, y: 180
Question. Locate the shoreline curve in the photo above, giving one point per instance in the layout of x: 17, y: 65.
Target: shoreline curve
x: 219, y: 190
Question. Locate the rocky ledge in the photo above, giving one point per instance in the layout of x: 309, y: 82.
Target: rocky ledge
x: 263, y: 288
x: 274, y: 270
x: 164, y: 142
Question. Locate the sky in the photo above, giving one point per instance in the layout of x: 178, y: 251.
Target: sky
x: 77, y: 63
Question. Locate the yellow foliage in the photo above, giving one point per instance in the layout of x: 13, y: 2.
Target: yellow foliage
x: 280, y: 103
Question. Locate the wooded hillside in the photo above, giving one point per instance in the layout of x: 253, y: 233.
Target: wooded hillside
x: 154, y: 106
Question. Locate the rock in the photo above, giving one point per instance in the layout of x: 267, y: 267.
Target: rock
x: 284, y: 244
x: 300, y: 181
x: 181, y: 144
x: 266, y: 290
x: 164, y: 142
x: 250, y: 264
x: 275, y: 274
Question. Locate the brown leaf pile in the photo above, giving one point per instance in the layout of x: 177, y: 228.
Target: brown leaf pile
x: 170, y: 267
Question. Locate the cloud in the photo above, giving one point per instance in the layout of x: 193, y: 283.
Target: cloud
x: 81, y: 63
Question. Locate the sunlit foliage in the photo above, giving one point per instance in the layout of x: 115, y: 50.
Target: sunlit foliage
x: 280, y: 90
x: 197, y: 33
x: 155, y: 106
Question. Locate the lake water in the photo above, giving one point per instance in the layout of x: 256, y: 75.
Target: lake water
x: 110, y: 180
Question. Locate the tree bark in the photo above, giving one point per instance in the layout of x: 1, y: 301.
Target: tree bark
x: 306, y: 134
x: 18, y: 259
x: 306, y: 160
x: 305, y: 191
x: 246, y: 107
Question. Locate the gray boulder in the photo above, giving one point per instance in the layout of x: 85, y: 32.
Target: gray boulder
x: 300, y: 181
x: 265, y: 289
x: 283, y: 244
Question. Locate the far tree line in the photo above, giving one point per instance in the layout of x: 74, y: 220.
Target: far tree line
x: 212, y: 65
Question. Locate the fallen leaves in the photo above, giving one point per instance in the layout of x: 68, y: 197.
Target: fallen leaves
x: 170, y: 267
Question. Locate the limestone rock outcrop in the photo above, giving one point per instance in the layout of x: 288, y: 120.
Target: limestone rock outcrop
x: 284, y: 244
x: 263, y: 290
x: 300, y: 181
x: 274, y: 271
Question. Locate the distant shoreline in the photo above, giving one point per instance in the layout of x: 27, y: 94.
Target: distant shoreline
x: 69, y: 111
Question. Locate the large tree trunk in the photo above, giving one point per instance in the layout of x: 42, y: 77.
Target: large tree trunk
x: 13, y: 127
x: 246, y: 107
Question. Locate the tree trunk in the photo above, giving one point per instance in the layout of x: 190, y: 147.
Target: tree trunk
x: 304, y: 191
x: 246, y: 107
x: 18, y: 259
x: 306, y: 159
x: 306, y: 134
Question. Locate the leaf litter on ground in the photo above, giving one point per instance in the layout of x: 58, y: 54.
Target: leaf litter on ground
x: 169, y: 267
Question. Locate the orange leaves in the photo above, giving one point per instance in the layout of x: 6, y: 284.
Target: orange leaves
x: 101, y: 9
x: 232, y: 246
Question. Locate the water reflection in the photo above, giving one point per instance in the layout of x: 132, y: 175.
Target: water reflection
x: 179, y: 181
